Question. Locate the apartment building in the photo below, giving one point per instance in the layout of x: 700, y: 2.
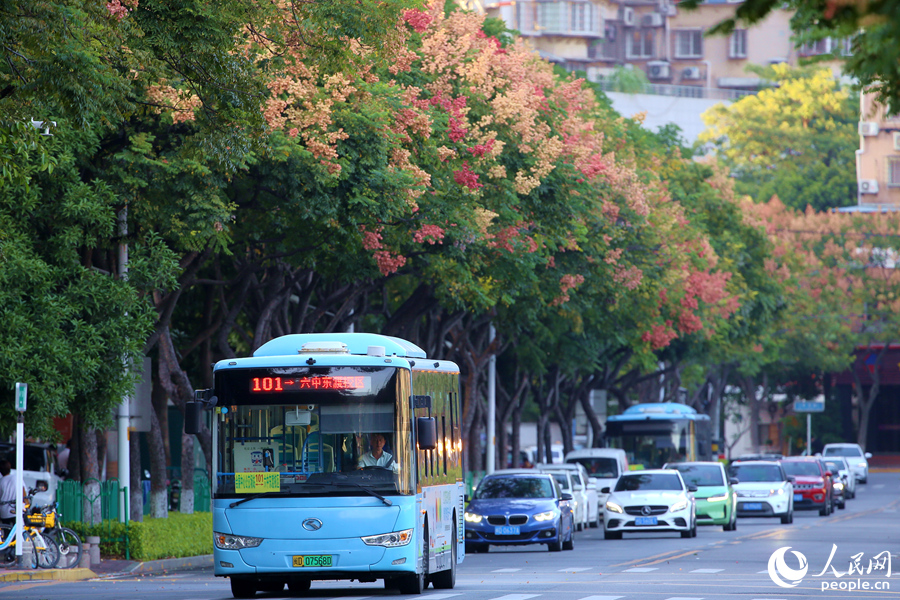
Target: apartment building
x: 878, y: 157
x: 656, y: 36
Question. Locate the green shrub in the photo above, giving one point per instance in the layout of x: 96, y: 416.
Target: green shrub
x: 175, y: 537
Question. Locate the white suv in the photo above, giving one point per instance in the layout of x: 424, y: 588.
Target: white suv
x: 856, y: 458
x: 585, y: 491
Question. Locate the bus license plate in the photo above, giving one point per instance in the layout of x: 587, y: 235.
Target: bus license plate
x: 315, y: 560
x: 645, y: 521
x: 507, y: 530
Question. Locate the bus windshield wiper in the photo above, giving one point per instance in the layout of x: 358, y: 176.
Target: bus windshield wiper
x: 254, y: 497
x: 367, y: 490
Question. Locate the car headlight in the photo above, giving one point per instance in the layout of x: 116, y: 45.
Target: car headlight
x: 681, y: 505
x: 389, y: 540
x: 861, y: 465
x: 613, y: 507
x: 226, y: 541
x: 721, y: 498
x: 838, y: 485
x: 778, y: 492
x: 545, y: 516
x: 473, y: 518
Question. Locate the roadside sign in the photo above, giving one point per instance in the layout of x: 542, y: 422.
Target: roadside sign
x: 21, y: 396
x: 809, y: 406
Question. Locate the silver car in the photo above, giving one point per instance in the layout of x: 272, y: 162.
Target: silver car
x: 858, y: 460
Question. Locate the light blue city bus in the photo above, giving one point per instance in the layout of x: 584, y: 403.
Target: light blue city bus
x: 300, y: 496
x: 657, y: 433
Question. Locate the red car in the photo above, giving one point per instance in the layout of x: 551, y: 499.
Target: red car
x: 813, y: 484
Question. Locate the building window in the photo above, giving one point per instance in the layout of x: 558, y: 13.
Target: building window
x: 818, y: 47
x: 689, y: 43
x: 581, y: 16
x: 639, y: 44
x: 893, y: 174
x: 737, y: 44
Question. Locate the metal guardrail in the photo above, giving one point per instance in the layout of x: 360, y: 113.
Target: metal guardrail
x: 679, y: 91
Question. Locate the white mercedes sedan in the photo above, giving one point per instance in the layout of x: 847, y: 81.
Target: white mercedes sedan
x: 650, y: 501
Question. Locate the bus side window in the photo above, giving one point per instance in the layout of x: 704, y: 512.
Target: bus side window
x: 444, y: 441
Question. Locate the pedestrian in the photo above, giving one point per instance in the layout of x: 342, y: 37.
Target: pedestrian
x: 7, y: 493
x: 62, y: 459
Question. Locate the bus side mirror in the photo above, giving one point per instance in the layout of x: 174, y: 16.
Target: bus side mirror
x: 426, y: 433
x: 193, y: 415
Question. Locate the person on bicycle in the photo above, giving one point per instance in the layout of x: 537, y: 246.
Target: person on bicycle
x: 377, y: 457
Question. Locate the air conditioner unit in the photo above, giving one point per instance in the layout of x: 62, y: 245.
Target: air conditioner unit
x: 652, y: 20
x: 897, y: 140
x: 658, y: 69
x: 628, y: 15
x: 777, y: 61
x: 868, y: 128
x: 691, y: 73
x: 868, y: 186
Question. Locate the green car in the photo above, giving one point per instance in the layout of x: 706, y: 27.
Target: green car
x: 716, y: 500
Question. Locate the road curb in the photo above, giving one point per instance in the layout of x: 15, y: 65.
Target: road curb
x: 79, y: 574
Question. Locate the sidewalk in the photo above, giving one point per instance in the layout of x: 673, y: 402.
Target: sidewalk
x: 109, y: 568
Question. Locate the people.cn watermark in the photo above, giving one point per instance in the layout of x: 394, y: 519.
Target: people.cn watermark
x: 787, y: 576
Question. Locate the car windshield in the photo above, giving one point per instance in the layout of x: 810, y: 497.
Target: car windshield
x: 701, y: 475
x: 749, y: 473
x: 514, y: 487
x: 601, y: 467
x: 834, y: 467
x: 563, y: 481
x: 652, y: 481
x: 843, y: 451
x: 803, y: 469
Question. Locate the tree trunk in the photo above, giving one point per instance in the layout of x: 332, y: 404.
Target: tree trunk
x: 186, y: 505
x: 159, y: 476
x: 136, y: 493
x: 91, y: 483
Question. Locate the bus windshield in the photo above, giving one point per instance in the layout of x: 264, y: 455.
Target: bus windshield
x: 314, y: 430
x: 651, y: 444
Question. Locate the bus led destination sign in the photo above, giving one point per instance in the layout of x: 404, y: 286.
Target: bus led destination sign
x: 318, y: 383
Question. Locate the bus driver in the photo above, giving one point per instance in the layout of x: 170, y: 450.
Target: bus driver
x: 377, y: 457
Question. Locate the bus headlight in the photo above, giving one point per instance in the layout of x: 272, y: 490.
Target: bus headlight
x: 473, y: 518
x: 545, y: 516
x: 389, y: 540
x: 226, y: 541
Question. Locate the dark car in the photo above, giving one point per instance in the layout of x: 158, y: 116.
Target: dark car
x: 519, y: 507
x: 813, y: 484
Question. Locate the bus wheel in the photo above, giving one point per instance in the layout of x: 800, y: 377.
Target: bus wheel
x: 445, y: 580
x: 243, y: 587
x: 415, y: 583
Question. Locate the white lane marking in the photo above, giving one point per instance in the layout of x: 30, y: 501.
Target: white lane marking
x: 441, y: 596
x: 576, y: 570
x: 768, y: 598
x: 878, y: 486
x: 707, y: 570
x: 641, y: 569
x: 506, y: 571
x: 762, y: 572
x: 682, y: 598
x: 601, y: 598
x: 516, y: 597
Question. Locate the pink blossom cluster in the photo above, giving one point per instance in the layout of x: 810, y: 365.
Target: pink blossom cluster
x: 480, y: 150
x: 429, y: 233
x: 466, y: 177
x: 388, y: 262
x: 506, y: 237
x: 417, y: 19
x: 371, y: 239
x: 118, y: 11
x: 567, y: 282
x: 660, y: 336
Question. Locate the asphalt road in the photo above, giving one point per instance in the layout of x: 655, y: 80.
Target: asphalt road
x: 714, y: 565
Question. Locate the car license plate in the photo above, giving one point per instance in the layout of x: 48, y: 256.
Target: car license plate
x: 645, y: 521
x: 798, y: 497
x: 506, y: 530
x: 314, y: 560
x: 752, y: 506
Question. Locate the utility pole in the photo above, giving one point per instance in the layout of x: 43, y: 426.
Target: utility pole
x: 124, y: 412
